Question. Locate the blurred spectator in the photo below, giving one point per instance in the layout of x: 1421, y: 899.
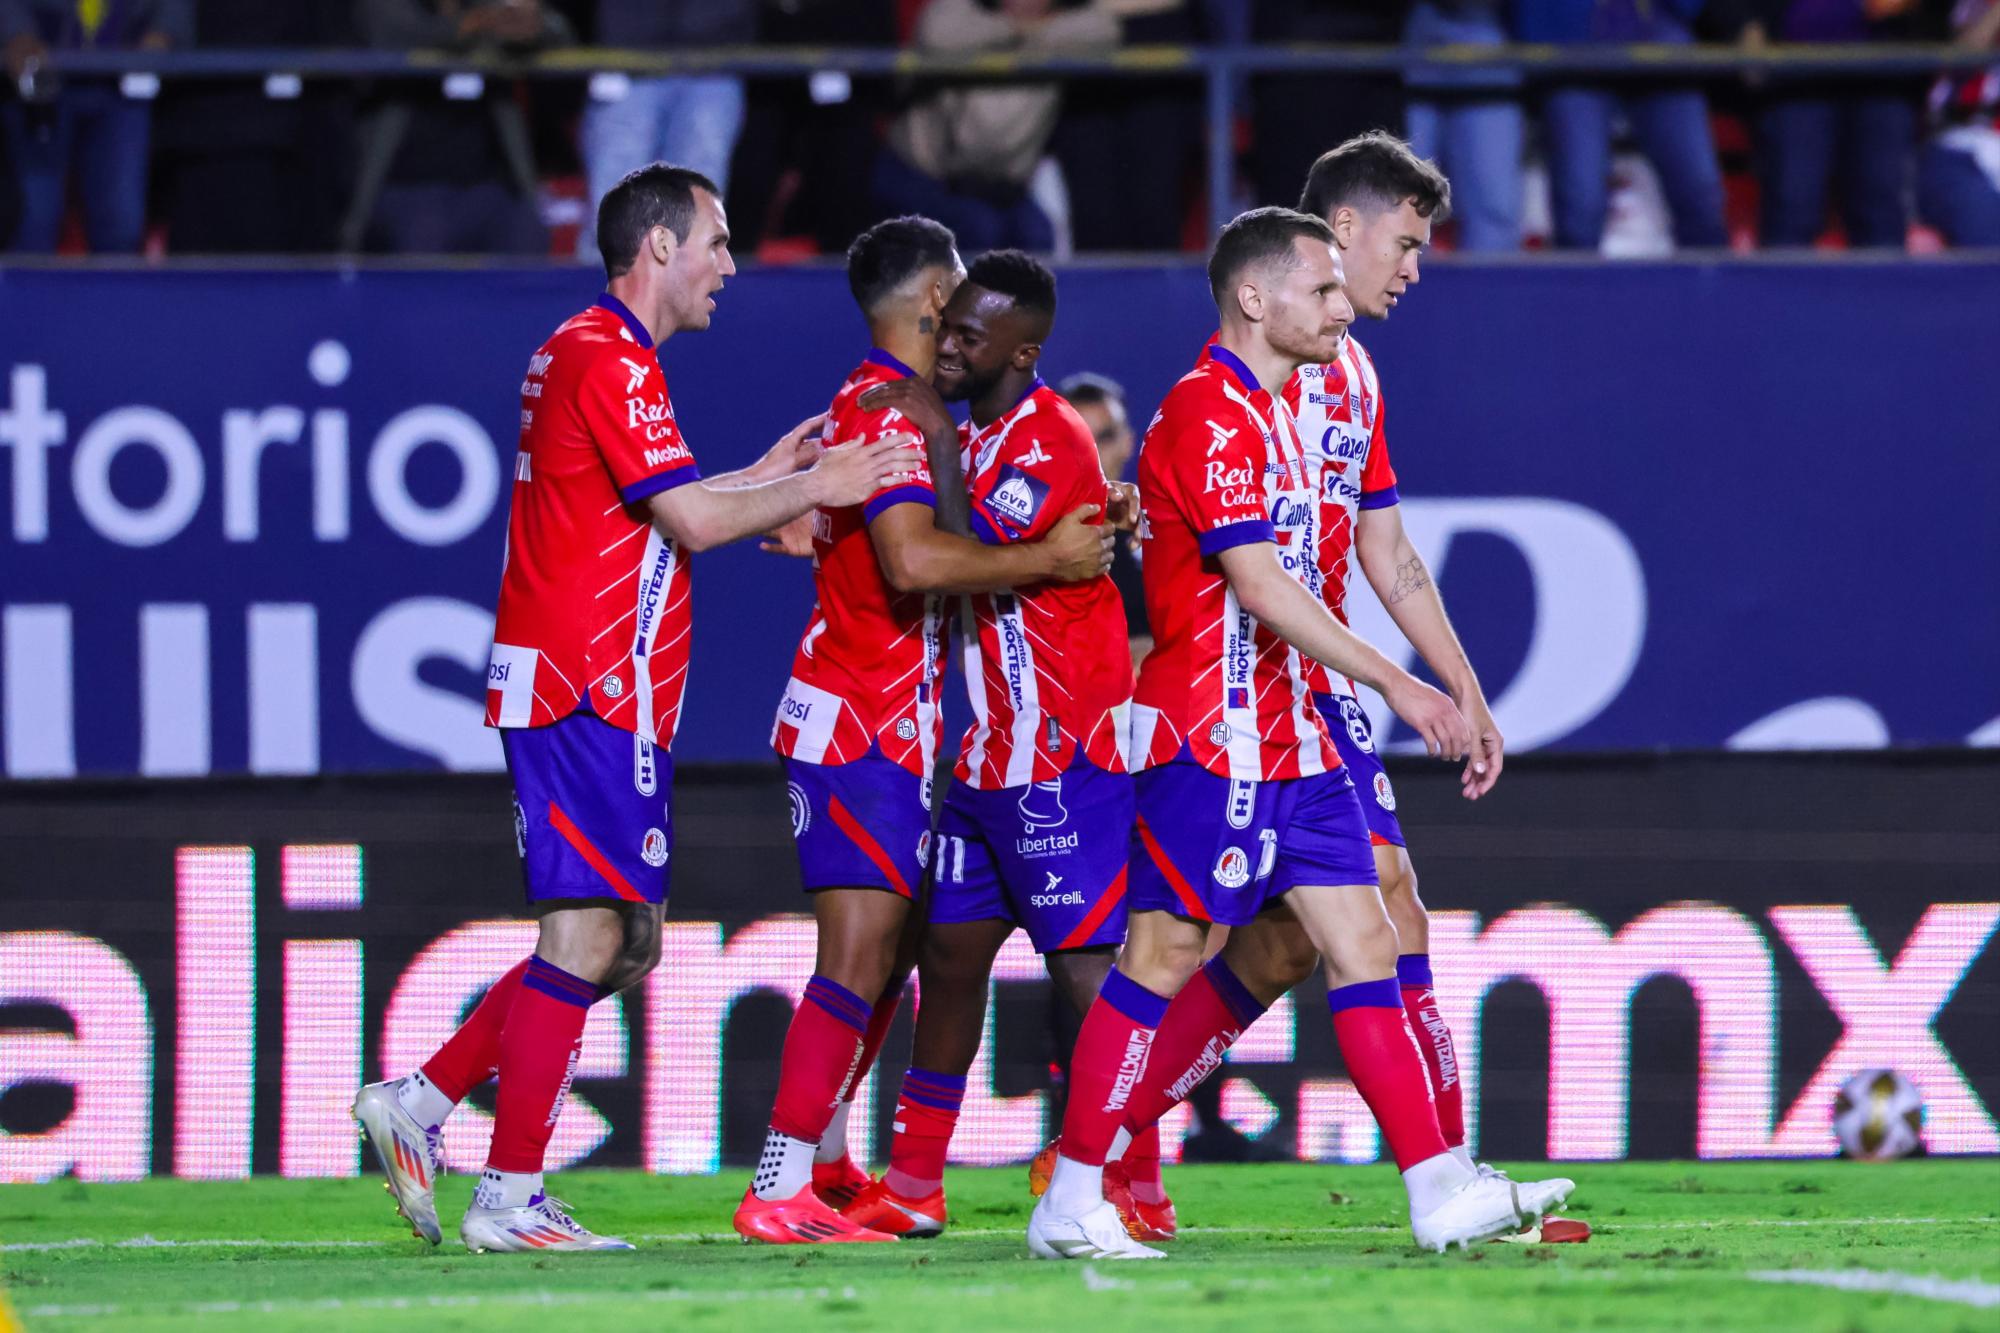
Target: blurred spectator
x: 690, y: 121
x: 440, y: 175
x: 1300, y: 116
x: 1958, y: 176
x: 1669, y: 121
x: 1100, y: 401
x: 964, y: 155
x: 1470, y: 122
x: 244, y: 173
x: 1858, y: 132
x: 1126, y: 144
x: 89, y: 127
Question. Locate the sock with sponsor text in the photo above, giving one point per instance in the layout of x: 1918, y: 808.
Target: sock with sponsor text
x: 538, y: 1050
x: 822, y: 1052
x: 833, y: 1143
x: 1108, y: 1065
x: 926, y: 1114
x: 1382, y: 1058
x: 1413, y: 973
x: 1203, y: 1022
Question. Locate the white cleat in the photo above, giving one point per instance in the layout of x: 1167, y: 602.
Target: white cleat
x: 410, y: 1155
x: 541, y: 1224
x: 1480, y: 1209
x: 1536, y: 1197
x: 1097, y: 1234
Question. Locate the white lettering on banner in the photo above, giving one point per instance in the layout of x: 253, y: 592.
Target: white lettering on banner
x: 30, y: 429
x: 173, y: 690
x: 90, y: 476
x: 1590, y: 609
x: 331, y: 522
x: 479, y: 475
x: 399, y: 706
x: 1587, y: 974
x: 1831, y: 723
x: 38, y: 713
x: 245, y: 435
x: 283, y: 640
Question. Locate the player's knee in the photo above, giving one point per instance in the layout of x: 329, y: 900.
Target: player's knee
x: 1162, y: 961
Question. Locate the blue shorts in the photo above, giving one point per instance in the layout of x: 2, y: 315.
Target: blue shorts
x: 864, y: 824
x: 1048, y: 856
x: 1223, y: 849
x: 1348, y: 726
x: 593, y: 815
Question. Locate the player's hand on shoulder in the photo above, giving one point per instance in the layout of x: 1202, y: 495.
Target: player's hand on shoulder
x: 1121, y: 505
x: 917, y: 399
x: 851, y: 472
x: 1431, y: 714
x: 1078, y: 547
x: 1488, y: 755
x: 798, y: 450
x: 794, y: 538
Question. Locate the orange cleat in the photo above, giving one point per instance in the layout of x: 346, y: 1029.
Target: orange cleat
x: 880, y: 1208
x: 803, y: 1219
x: 1143, y: 1221
x: 1042, y: 1168
x: 838, y: 1182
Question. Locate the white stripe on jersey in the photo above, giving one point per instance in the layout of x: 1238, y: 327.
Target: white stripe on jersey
x: 1020, y: 675
x: 1239, y: 666
x: 656, y: 579
x: 511, y: 670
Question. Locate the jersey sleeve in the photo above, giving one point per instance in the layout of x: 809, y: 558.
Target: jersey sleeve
x: 867, y: 427
x: 1213, y: 469
x: 1378, y: 478
x: 1042, y: 475
x: 622, y: 400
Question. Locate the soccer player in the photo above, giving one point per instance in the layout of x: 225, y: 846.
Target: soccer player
x: 590, y: 654
x: 1243, y: 804
x: 1035, y: 829
x: 1380, y: 199
x: 858, y: 729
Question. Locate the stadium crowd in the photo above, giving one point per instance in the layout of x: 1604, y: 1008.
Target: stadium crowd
x: 404, y: 166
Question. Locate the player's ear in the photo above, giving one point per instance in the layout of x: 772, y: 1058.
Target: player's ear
x: 1249, y: 301
x: 1026, y: 355
x: 1345, y: 222
x: 663, y: 243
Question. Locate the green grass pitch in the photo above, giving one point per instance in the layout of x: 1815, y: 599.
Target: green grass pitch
x: 1280, y: 1247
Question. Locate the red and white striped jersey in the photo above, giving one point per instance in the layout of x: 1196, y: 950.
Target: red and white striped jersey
x: 593, y: 599
x: 1338, y: 410
x: 871, y: 662
x: 1221, y: 466
x: 1048, y: 667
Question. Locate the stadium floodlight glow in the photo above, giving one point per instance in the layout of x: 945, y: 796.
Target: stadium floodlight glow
x: 215, y: 1021
x: 107, y: 1063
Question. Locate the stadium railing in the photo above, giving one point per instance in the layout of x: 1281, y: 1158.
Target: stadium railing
x: 1219, y: 69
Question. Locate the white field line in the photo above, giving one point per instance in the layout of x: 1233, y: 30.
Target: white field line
x: 981, y: 1233
x: 1931, y: 1286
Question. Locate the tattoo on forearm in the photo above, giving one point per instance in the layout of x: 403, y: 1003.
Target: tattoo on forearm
x: 1411, y: 576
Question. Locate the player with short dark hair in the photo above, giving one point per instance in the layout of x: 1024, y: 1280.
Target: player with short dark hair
x: 858, y: 730
x: 590, y: 653
x: 1244, y: 806
x: 1337, y: 406
x: 1035, y: 829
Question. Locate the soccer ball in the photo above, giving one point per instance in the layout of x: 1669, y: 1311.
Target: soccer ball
x: 1878, y: 1116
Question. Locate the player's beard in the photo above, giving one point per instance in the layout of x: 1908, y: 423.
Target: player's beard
x: 1302, y: 342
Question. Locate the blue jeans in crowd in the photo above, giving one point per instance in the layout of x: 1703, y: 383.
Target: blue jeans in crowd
x: 1956, y: 197
x: 690, y: 122
x: 991, y: 218
x: 1672, y: 129
x: 1470, y: 123
x: 104, y: 137
x: 1864, y: 139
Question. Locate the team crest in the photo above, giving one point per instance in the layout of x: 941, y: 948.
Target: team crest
x: 1232, y: 868
x: 1385, y: 795
x: 613, y: 687
x: 924, y: 848
x: 906, y: 730
x: 1219, y: 734
x: 653, y: 851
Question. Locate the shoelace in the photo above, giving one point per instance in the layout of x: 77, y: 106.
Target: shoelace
x: 553, y: 1208
x: 434, y: 1152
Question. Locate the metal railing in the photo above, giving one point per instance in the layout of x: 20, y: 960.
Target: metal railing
x: 1219, y: 69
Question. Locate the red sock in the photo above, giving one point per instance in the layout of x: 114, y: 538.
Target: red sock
x: 1203, y: 1021
x: 1413, y: 971
x: 470, y: 1055
x: 1382, y: 1058
x: 1108, y: 1065
x: 877, y: 1031
x: 822, y: 1059
x: 926, y: 1114
x: 538, y: 1050
x: 1142, y: 1162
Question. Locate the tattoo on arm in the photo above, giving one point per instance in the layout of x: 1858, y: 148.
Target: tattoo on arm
x: 1411, y: 576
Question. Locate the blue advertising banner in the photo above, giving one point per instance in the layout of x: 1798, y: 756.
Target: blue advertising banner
x: 253, y: 521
